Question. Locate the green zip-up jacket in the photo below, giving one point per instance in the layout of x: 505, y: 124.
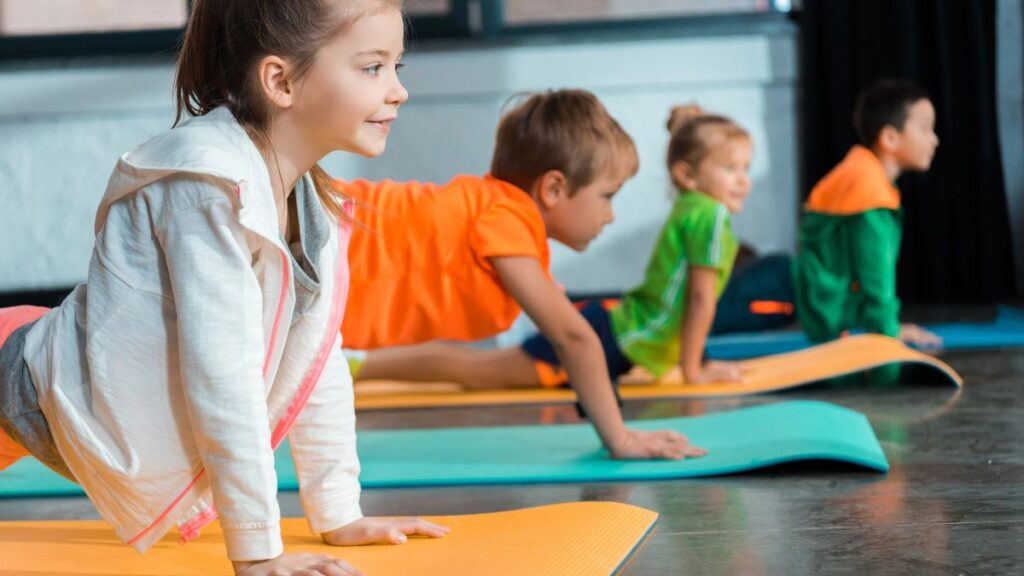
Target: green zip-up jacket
x: 845, y: 274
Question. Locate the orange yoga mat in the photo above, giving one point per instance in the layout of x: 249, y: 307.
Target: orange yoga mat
x: 767, y: 374
x: 571, y: 539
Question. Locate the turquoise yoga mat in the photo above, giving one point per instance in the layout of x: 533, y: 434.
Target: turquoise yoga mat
x: 737, y: 441
x: 1007, y: 330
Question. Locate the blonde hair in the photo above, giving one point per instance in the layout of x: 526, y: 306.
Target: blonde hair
x: 693, y: 133
x: 226, y: 39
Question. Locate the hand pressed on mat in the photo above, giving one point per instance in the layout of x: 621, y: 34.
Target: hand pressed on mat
x: 383, y: 530
x: 914, y: 334
x: 362, y: 531
x: 643, y: 445
x: 718, y: 371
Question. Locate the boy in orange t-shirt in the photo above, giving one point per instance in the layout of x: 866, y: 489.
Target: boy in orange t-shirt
x: 459, y: 261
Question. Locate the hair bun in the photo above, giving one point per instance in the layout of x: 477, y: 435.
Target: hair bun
x: 682, y: 114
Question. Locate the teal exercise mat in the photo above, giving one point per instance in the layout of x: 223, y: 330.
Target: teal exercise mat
x: 29, y: 477
x: 1007, y: 330
x: 737, y: 441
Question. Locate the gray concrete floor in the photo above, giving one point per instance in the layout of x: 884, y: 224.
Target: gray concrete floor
x: 953, y: 502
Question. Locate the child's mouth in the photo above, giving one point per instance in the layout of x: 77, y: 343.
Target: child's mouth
x: 384, y: 126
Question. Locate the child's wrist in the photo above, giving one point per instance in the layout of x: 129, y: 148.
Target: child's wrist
x: 615, y: 439
x: 691, y: 370
x: 241, y: 566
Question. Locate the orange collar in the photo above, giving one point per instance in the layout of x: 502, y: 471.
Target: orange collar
x: 855, y: 185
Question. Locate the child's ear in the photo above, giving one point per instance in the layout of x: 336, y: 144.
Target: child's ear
x: 551, y: 188
x: 888, y: 139
x: 682, y: 175
x: 275, y: 81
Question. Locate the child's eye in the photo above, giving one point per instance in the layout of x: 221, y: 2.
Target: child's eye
x: 372, y: 70
x: 398, y: 67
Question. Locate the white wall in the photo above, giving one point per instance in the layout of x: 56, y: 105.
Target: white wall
x: 61, y: 131
x: 1010, y: 87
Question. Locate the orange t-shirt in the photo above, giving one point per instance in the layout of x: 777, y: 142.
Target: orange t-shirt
x: 421, y: 268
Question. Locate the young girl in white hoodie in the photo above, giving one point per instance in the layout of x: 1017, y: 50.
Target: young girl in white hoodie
x: 207, y: 330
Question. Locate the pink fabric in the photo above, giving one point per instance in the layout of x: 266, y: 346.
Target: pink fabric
x: 10, y: 320
x: 13, y: 318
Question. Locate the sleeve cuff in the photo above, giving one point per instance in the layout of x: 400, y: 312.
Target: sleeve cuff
x: 892, y: 330
x: 335, y: 515
x: 250, y: 544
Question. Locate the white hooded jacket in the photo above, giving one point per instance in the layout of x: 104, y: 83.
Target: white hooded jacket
x: 168, y: 376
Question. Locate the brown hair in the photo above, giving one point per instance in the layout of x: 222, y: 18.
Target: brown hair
x: 565, y: 130
x: 225, y: 40
x: 693, y: 133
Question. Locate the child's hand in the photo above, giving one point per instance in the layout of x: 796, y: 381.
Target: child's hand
x: 914, y: 334
x: 659, y: 444
x: 304, y: 563
x: 382, y: 530
x: 717, y: 372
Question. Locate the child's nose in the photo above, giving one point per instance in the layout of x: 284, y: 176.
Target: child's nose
x: 398, y: 94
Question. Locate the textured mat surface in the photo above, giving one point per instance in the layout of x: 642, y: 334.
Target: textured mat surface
x: 572, y: 539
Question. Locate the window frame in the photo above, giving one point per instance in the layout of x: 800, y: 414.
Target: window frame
x: 493, y: 25
x: 472, y: 20
x: 167, y: 41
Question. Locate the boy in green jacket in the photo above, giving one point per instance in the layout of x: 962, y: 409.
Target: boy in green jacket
x: 845, y: 273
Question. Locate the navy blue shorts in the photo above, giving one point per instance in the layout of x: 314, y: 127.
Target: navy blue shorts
x: 549, y: 368
x: 768, y: 280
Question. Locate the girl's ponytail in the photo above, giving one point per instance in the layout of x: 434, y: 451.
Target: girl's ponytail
x: 200, y: 82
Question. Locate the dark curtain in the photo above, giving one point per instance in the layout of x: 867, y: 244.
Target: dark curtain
x: 957, y: 244
x: 45, y: 298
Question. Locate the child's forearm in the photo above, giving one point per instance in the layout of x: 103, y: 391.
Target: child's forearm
x: 584, y: 361
x: 577, y: 346
x: 700, y: 313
